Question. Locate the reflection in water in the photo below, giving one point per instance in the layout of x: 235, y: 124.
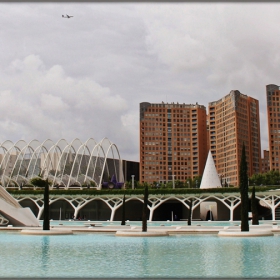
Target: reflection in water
x: 209, y: 257
x: 45, y: 256
x: 105, y: 255
x: 144, y: 248
x: 258, y: 259
x: 234, y: 257
x: 269, y: 256
x: 238, y: 257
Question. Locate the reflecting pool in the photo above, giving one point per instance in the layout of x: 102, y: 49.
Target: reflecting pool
x: 105, y: 255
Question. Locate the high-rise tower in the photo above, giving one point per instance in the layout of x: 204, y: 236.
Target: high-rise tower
x: 173, y: 141
x: 232, y: 121
x: 273, y: 117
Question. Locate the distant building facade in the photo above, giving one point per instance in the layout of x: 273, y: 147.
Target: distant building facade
x: 130, y: 168
x: 173, y: 141
x: 265, y: 162
x: 273, y: 118
x: 232, y: 121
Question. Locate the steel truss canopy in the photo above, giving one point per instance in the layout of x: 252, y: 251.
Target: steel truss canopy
x: 65, y: 165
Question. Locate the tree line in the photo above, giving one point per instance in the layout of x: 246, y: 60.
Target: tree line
x: 189, y: 183
x: 271, y: 178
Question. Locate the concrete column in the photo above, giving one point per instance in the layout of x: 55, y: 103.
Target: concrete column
x: 173, y: 181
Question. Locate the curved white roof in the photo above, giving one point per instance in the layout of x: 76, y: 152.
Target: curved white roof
x: 64, y: 164
x: 210, y: 178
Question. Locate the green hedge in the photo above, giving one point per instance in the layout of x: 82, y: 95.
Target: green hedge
x: 161, y: 191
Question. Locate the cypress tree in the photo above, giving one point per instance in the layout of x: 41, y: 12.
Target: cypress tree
x: 145, y: 210
x: 46, y: 222
x: 123, y: 212
x: 243, y: 181
x: 190, y: 212
x: 254, y: 208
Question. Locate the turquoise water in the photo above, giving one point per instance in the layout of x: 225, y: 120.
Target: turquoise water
x: 105, y: 255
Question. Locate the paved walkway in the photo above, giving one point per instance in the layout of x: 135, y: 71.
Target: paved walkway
x: 169, y: 229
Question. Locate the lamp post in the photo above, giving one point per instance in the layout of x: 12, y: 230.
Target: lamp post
x: 196, y: 183
x: 173, y: 181
x: 100, y: 185
x: 132, y: 181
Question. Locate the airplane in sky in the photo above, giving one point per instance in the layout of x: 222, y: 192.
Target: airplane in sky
x: 66, y: 16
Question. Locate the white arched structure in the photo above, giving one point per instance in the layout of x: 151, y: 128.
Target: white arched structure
x: 66, y: 165
x: 271, y: 199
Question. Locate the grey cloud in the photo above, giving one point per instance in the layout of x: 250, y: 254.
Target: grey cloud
x: 42, y: 103
x: 86, y: 76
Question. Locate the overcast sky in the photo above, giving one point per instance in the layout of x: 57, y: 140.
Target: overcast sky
x: 85, y: 76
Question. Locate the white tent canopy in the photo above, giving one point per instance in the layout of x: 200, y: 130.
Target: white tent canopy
x: 210, y: 178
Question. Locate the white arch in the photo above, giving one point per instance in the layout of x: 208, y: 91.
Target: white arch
x: 14, y: 166
x: 114, y: 202
x: 49, y: 156
x: 106, y: 156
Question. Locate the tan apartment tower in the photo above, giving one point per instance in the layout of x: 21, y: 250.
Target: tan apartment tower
x: 273, y: 117
x: 232, y: 121
x: 173, y: 141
